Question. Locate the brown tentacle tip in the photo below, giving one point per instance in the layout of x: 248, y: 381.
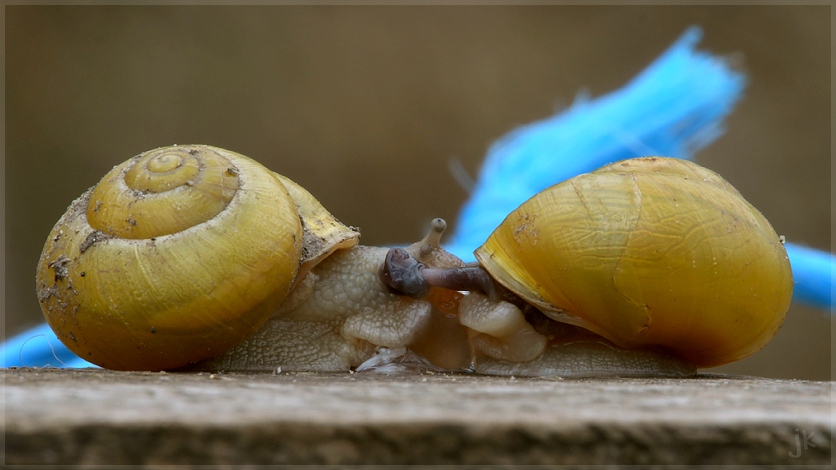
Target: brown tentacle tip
x: 402, y: 272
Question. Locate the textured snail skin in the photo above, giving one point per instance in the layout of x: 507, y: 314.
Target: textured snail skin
x: 648, y: 253
x: 340, y: 313
x: 176, y: 255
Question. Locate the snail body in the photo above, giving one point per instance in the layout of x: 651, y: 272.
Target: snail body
x: 341, y: 313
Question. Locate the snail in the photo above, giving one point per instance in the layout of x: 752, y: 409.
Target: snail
x: 144, y: 270
x: 269, y: 278
x: 648, y: 266
x: 182, y: 254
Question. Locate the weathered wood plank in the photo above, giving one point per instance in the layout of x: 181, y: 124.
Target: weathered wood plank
x: 106, y: 417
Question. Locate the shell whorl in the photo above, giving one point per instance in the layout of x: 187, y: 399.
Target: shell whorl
x: 163, y: 191
x: 176, y: 255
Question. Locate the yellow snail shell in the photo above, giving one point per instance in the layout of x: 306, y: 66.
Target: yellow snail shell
x: 650, y: 252
x: 177, y: 255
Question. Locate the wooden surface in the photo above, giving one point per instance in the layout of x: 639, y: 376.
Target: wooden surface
x: 106, y: 417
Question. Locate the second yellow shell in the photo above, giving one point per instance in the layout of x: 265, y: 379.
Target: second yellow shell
x: 653, y: 253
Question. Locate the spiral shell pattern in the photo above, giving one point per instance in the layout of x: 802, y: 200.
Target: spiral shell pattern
x: 162, y: 192
x: 176, y: 255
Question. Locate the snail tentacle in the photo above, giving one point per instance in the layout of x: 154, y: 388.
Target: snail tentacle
x: 469, y: 278
x: 402, y: 273
x: 406, y: 275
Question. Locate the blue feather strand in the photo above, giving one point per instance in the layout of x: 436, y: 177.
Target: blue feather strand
x: 812, y: 272
x: 673, y: 108
x: 39, y: 347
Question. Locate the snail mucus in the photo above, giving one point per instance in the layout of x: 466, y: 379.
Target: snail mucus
x: 195, y: 257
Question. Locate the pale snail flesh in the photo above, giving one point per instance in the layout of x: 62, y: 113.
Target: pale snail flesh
x: 337, y: 317
x: 316, y: 300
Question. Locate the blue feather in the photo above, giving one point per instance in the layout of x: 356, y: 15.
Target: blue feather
x: 39, y: 347
x: 673, y: 108
x: 812, y: 272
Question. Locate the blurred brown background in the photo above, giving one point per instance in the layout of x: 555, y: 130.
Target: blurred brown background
x: 366, y: 107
